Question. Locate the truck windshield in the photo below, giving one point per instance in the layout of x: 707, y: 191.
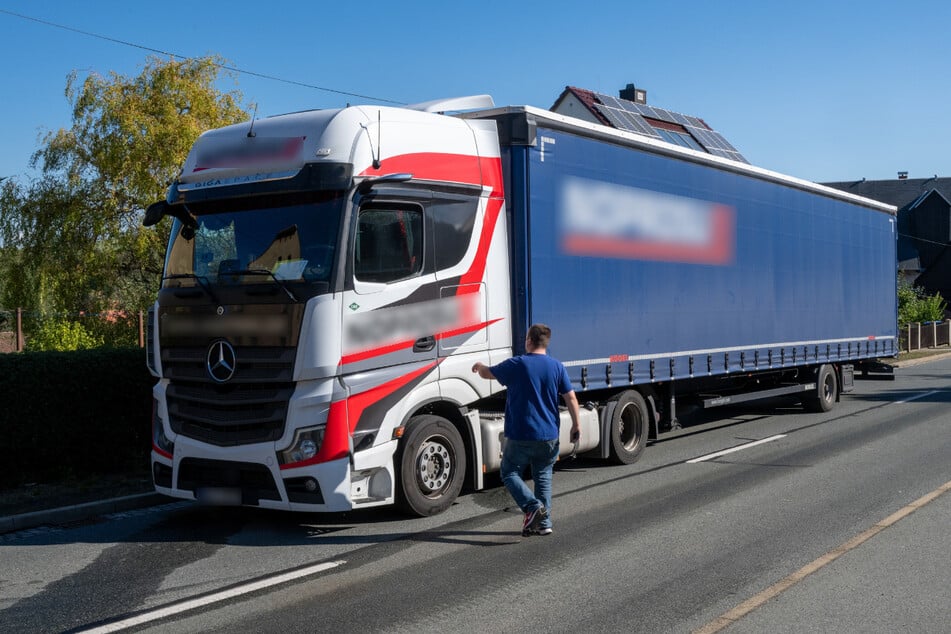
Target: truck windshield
x: 278, y: 240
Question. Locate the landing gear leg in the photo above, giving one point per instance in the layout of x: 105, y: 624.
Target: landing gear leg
x: 672, y: 412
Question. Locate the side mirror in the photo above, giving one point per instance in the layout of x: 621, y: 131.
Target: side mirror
x: 154, y: 213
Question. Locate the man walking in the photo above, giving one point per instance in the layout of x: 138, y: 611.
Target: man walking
x: 534, y: 381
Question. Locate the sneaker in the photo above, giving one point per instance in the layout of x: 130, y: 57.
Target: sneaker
x: 545, y: 531
x: 533, y: 519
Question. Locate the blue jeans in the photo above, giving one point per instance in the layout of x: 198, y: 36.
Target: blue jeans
x: 540, y: 455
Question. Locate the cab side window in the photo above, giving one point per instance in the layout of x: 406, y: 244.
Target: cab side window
x: 453, y: 220
x: 389, y: 244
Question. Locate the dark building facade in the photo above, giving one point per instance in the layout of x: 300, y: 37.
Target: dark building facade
x: 924, y: 226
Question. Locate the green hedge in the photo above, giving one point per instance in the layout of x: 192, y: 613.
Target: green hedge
x: 73, y: 414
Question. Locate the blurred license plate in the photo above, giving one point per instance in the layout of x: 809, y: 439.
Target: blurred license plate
x: 218, y: 496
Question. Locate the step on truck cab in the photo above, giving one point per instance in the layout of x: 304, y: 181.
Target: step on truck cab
x: 332, y: 275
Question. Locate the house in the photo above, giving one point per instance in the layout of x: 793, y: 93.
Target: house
x: 629, y: 112
x: 924, y: 225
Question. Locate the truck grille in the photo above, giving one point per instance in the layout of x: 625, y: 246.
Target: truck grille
x: 250, y: 408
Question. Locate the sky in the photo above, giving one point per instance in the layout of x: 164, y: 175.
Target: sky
x: 825, y: 91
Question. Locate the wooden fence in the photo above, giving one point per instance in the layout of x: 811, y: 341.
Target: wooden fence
x: 933, y: 334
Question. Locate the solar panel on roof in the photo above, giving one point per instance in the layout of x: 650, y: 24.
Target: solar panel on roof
x: 627, y: 121
x: 630, y: 122
x: 714, y: 141
x: 611, y: 102
x: 663, y: 115
x: 710, y: 140
x: 645, y: 110
x: 677, y: 138
x: 629, y: 116
x: 624, y: 104
x: 636, y: 108
x: 679, y: 118
x: 701, y: 135
x: 666, y: 136
x: 692, y: 142
x: 639, y: 124
x: 614, y: 116
x: 727, y: 144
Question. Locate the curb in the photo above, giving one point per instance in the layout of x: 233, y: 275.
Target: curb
x: 80, y: 512
x: 914, y: 362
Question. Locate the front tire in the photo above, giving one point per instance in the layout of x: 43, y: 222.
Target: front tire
x: 432, y: 464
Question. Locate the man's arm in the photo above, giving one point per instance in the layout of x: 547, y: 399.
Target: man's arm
x: 574, y: 411
x: 483, y: 370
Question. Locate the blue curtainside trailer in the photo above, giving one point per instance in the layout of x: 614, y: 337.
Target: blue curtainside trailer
x: 689, y: 274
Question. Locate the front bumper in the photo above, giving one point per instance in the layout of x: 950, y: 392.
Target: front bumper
x: 251, y: 476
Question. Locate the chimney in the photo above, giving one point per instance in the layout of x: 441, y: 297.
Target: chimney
x: 902, y: 176
x: 637, y: 95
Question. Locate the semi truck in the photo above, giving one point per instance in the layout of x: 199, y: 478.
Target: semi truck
x: 332, y: 276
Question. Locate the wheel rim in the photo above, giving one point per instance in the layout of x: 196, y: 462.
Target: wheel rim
x: 629, y: 427
x: 434, y: 464
x: 828, y: 388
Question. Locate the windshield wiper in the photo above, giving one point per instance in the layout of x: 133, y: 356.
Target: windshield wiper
x: 276, y: 279
x: 202, y: 281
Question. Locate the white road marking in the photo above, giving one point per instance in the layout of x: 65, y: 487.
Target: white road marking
x: 216, y: 597
x: 777, y: 437
x: 733, y: 449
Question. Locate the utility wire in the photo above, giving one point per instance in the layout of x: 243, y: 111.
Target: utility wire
x: 917, y: 239
x: 221, y: 66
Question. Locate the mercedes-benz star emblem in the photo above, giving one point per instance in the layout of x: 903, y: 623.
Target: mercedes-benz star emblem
x: 221, y: 361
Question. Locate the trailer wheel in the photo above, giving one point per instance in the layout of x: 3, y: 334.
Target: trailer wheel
x: 431, y: 460
x: 628, y: 426
x: 827, y: 390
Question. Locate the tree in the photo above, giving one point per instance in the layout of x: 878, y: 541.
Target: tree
x: 73, y: 236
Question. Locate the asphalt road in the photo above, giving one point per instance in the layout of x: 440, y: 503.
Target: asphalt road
x: 837, y: 522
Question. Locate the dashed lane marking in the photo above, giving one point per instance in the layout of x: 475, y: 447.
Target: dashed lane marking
x: 216, y: 597
x: 711, y: 456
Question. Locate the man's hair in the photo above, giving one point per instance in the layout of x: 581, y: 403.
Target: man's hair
x: 539, y: 335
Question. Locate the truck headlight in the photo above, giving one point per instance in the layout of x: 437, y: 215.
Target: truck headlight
x: 306, y: 445
x: 161, y: 442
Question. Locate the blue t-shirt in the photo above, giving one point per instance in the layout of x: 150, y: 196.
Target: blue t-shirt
x: 534, y: 382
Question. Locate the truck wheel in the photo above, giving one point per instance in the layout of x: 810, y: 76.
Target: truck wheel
x: 628, y: 426
x: 827, y: 390
x: 432, y: 464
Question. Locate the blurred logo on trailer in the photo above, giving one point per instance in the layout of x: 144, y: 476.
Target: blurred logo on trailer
x: 614, y: 221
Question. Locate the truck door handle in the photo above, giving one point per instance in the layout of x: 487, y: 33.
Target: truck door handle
x: 424, y: 344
